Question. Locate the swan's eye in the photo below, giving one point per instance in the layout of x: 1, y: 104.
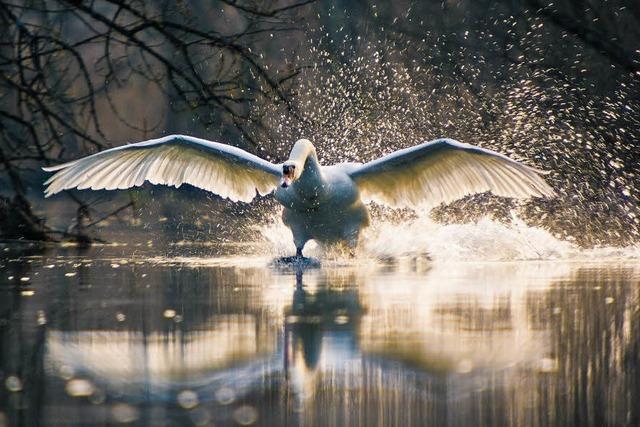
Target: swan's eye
x: 288, y: 170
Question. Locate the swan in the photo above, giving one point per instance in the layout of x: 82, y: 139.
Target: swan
x: 324, y: 203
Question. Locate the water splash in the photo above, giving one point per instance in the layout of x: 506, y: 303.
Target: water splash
x: 485, y: 240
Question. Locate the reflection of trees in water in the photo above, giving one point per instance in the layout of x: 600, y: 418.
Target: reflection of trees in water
x: 596, y: 339
x: 585, y: 373
x: 22, y: 344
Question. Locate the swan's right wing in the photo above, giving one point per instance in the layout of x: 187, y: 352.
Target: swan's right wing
x: 173, y: 160
x: 445, y: 170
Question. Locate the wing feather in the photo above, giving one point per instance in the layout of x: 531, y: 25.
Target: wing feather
x: 445, y: 170
x: 174, y: 160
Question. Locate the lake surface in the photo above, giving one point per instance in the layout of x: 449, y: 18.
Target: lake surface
x: 112, y: 336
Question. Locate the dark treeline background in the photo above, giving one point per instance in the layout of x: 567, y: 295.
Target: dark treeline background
x: 554, y: 84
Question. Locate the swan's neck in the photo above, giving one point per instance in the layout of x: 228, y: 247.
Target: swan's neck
x: 310, y: 181
x: 301, y: 151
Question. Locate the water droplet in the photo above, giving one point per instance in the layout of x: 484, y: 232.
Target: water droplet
x: 70, y: 274
x: 341, y: 320
x: 13, y: 383
x: 79, y: 388
x: 225, y: 395
x: 42, y: 318
x: 67, y: 372
x: 121, y: 317
x: 98, y: 397
x: 188, y: 399
x: 124, y: 413
x: 169, y: 313
x: 245, y: 415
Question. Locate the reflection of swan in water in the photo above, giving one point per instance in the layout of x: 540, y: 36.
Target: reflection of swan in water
x: 430, y: 325
x: 324, y: 203
x: 229, y: 349
x: 344, y: 326
x: 318, y: 324
x: 155, y: 361
x: 471, y: 318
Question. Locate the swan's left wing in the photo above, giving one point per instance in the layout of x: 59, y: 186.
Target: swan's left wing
x: 445, y: 170
x: 173, y: 160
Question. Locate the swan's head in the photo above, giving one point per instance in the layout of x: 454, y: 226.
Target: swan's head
x: 290, y: 172
x: 292, y: 168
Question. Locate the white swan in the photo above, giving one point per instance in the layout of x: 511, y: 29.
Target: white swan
x: 325, y: 203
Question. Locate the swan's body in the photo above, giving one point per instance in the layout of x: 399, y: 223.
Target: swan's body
x: 331, y: 212
x: 324, y: 203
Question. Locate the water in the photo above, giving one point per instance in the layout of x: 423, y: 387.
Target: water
x: 128, y: 336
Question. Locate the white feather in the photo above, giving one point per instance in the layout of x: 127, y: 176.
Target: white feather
x: 173, y: 160
x: 445, y: 170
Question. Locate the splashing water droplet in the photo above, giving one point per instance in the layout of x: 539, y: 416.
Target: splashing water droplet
x: 13, y: 383
x: 79, y: 388
x: 225, y: 395
x: 188, y: 399
x: 245, y: 415
x: 124, y: 413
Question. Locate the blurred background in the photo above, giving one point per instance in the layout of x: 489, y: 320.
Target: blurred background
x: 555, y: 84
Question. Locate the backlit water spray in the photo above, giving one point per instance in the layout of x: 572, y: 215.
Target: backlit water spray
x: 357, y: 102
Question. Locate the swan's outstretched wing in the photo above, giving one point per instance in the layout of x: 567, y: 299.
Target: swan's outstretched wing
x: 445, y: 170
x: 173, y: 160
